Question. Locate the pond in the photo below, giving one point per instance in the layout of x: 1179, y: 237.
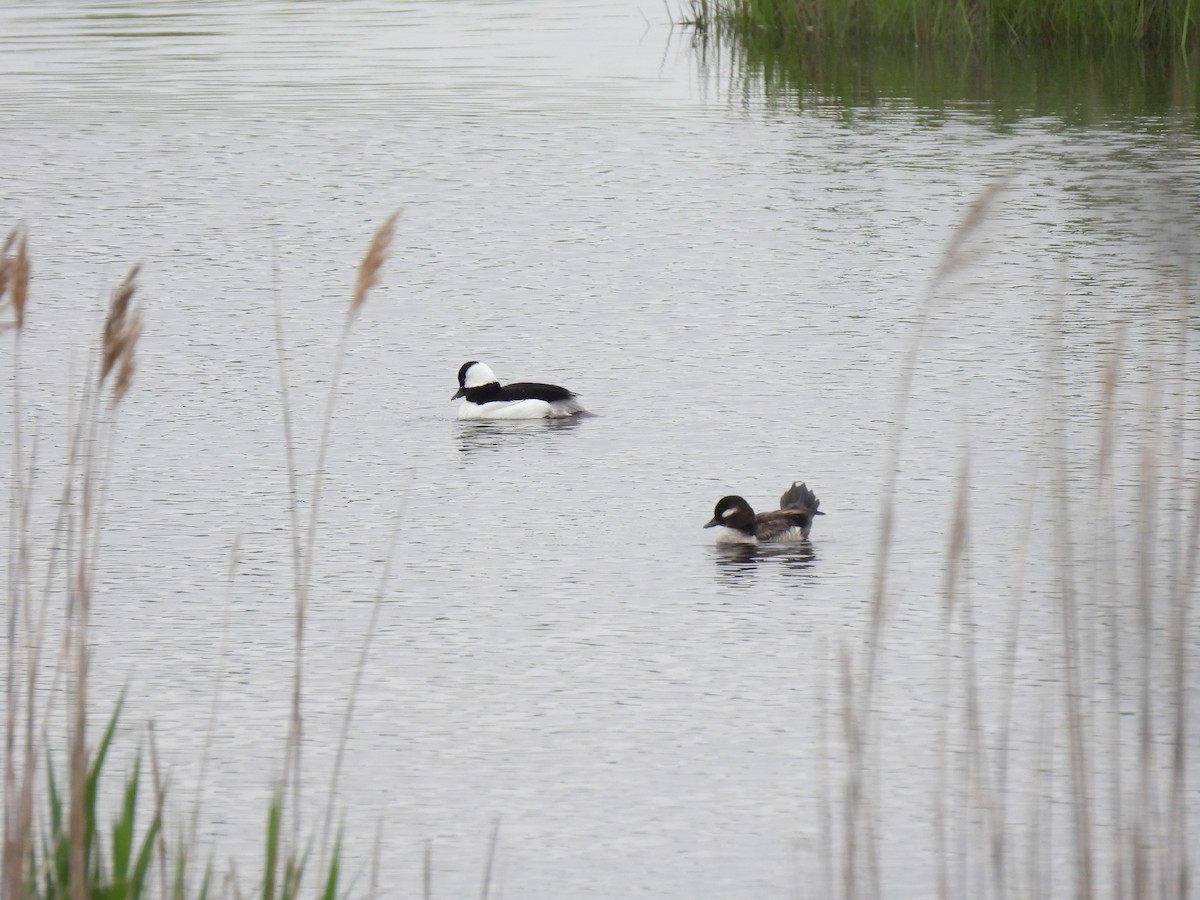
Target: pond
x: 750, y: 280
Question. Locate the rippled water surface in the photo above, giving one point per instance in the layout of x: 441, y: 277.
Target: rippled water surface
x: 732, y: 285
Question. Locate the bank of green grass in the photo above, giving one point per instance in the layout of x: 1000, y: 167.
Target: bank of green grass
x: 1009, y: 80
x: 1043, y: 23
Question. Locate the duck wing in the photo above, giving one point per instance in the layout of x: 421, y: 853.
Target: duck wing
x: 532, y: 390
x: 783, y: 523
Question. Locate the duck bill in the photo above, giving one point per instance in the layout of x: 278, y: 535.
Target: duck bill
x: 461, y: 392
x: 714, y: 523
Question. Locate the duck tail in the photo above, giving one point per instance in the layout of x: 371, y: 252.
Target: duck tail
x: 798, y: 496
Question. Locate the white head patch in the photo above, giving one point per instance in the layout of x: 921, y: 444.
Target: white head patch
x: 478, y: 375
x: 729, y: 512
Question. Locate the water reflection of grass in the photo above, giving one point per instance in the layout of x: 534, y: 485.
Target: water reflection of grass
x: 1076, y: 85
x: 1045, y: 23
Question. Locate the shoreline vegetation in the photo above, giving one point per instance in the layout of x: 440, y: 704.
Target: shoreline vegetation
x: 59, y: 840
x: 1079, y: 61
x: 1152, y: 24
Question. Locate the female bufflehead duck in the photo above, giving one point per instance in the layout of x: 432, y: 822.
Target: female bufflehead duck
x: 486, y: 399
x: 791, y: 522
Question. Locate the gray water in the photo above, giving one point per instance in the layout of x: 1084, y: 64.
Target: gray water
x: 731, y: 284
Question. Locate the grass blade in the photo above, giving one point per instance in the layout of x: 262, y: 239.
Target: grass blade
x: 274, y: 814
x: 331, y: 879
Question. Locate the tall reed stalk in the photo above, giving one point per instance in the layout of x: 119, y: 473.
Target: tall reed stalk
x: 68, y: 861
x: 304, y: 548
x: 1112, y: 811
x: 18, y: 761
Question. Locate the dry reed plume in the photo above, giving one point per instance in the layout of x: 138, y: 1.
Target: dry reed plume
x: 372, y: 262
x: 14, y: 276
x: 122, y: 329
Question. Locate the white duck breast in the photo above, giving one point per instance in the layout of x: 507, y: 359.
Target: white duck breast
x: 485, y: 398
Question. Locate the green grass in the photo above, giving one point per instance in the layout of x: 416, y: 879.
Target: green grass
x: 118, y: 874
x: 1043, y: 23
x: 1079, y: 85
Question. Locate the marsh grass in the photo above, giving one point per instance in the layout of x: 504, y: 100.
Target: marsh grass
x: 67, y: 860
x: 1079, y: 85
x: 1168, y: 24
x: 1100, y: 800
x: 56, y: 843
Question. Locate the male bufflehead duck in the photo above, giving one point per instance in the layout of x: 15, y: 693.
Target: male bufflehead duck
x: 486, y: 399
x: 791, y: 522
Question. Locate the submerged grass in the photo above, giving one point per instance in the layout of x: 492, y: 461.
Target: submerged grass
x: 55, y: 844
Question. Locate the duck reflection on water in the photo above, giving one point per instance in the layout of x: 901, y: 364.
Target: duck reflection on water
x: 483, y: 435
x: 741, y: 562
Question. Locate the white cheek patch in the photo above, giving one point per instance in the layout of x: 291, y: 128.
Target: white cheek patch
x: 729, y: 512
x: 478, y: 375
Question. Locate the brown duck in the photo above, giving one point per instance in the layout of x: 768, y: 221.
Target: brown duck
x: 740, y: 524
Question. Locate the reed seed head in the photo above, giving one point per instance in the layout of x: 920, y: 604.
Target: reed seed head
x: 126, y: 365
x: 14, y: 275
x: 977, y: 213
x: 20, y: 281
x: 372, y: 262
x: 6, y: 262
x: 122, y: 329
